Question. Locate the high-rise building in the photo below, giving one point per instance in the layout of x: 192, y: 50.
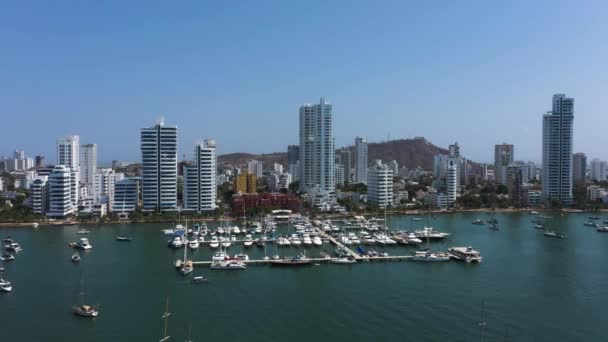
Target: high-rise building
x: 598, y: 170
x: 59, y: 190
x: 557, y: 150
x: 293, y: 154
x: 245, y: 182
x: 39, y: 161
x: 503, y: 157
x: 340, y: 178
x: 317, y: 151
x: 88, y: 165
x: 68, y: 154
x: 380, y: 185
x: 394, y: 165
x: 200, y: 187
x: 159, y: 172
x: 104, y: 186
x: 517, y: 175
x: 126, y: 196
x: 452, y: 181
x: 360, y: 160
x: 454, y: 150
x: 39, y: 195
x: 255, y: 167
x: 579, y: 168
x: 277, y: 168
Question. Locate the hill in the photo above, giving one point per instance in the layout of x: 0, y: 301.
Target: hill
x: 407, y: 152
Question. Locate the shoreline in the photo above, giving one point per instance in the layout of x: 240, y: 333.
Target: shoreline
x: 319, y: 217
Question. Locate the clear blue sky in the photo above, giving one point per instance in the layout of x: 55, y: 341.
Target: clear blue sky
x: 476, y: 72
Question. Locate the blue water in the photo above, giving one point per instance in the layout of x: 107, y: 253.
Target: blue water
x: 534, y: 289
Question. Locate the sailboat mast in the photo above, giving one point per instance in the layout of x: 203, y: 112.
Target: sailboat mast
x: 165, y: 316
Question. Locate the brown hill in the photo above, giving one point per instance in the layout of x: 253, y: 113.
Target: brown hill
x: 410, y: 153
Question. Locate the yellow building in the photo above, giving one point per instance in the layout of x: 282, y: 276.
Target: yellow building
x: 245, y: 182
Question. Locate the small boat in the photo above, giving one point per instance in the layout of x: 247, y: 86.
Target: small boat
x: 83, y: 244
x: 5, y: 285
x: 236, y: 230
x: 168, y: 232
x: 193, y: 244
x: 479, y: 222
x: 75, y: 257
x: 353, y: 239
x: 225, y: 242
x: 306, y: 239
x: 295, y: 240
x: 176, y: 243
x: 590, y: 224
x: 199, y: 279
x: 325, y: 255
x: 539, y: 226
x: 35, y: 225
x: 124, y: 238
x: 346, y: 260
x: 282, y: 241
x: 534, y: 212
x: 85, y: 311
x: 7, y: 240
x: 83, y: 231
x: 214, y: 242
x: 594, y: 218
x: 316, y: 240
x: 602, y: 229
x: 411, y: 239
x: 493, y: 226
x: 7, y: 257
x: 416, y: 218
x: 428, y: 256
x: 242, y: 257
x: 13, y: 247
x: 260, y: 242
x: 550, y: 233
x: 248, y: 241
x: 187, y: 268
x: 228, y: 265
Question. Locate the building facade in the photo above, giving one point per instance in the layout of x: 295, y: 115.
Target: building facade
x: 256, y: 167
x: 39, y: 195
x: 68, y: 154
x: 360, y: 160
x: 159, y: 170
x: 503, y: 157
x: 380, y: 185
x: 557, y: 151
x: 579, y: 168
x: 598, y: 170
x: 59, y: 192
x: 452, y: 182
x: 126, y: 196
x: 245, y: 182
x: 88, y: 165
x: 200, y: 187
x: 317, y: 148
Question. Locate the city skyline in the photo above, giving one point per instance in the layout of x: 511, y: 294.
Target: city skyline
x: 481, y: 73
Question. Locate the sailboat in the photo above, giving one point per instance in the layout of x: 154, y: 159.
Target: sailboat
x: 426, y: 255
x: 85, y: 310
x: 165, y: 317
x: 187, y: 266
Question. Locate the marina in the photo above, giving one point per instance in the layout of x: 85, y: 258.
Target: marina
x: 525, y: 279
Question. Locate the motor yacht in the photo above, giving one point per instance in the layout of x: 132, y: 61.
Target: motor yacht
x: 7, y: 256
x: 214, y: 242
x: 193, y: 244
x: 602, y: 229
x: 479, y: 222
x: 306, y: 239
x: 248, y: 242
x: 353, y: 239
x: 467, y: 254
x: 236, y: 230
x: 428, y: 256
x: 13, y: 247
x: 295, y: 240
x: 177, y: 242
x: 83, y: 244
x: 85, y: 311
x: 316, y: 240
x: 83, y: 231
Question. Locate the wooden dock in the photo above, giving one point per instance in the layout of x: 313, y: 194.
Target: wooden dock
x: 178, y: 263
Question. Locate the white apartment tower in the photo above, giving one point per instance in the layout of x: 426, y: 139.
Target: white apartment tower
x: 255, y: 167
x: 317, y: 151
x: 39, y: 195
x: 360, y: 160
x: 451, y: 180
x: 59, y: 192
x: 159, y: 174
x: 68, y: 155
x: 88, y: 165
x: 380, y: 185
x: 105, y: 182
x: 200, y: 179
x: 557, y: 150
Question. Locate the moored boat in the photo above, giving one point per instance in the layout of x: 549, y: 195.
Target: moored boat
x: 602, y: 229
x: 428, y: 256
x: 75, y: 257
x: 124, y: 238
x: 83, y: 244
x: 467, y: 254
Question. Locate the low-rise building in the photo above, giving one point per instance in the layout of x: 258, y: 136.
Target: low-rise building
x: 594, y: 193
x: 248, y: 202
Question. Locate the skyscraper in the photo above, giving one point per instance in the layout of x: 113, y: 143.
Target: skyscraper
x: 557, y: 150
x: 598, y: 170
x: 88, y: 165
x: 68, y: 155
x: 579, y: 167
x: 317, y: 151
x: 59, y: 192
x: 503, y: 157
x: 454, y: 150
x: 159, y: 172
x: 293, y: 154
x: 452, y: 181
x: 360, y: 160
x: 200, y: 179
x: 256, y: 167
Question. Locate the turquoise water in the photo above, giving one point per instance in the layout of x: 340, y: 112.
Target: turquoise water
x: 534, y: 288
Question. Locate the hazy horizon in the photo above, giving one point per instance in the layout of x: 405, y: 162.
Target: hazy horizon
x: 475, y: 72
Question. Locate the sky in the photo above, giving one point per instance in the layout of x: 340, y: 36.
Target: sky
x: 476, y: 72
